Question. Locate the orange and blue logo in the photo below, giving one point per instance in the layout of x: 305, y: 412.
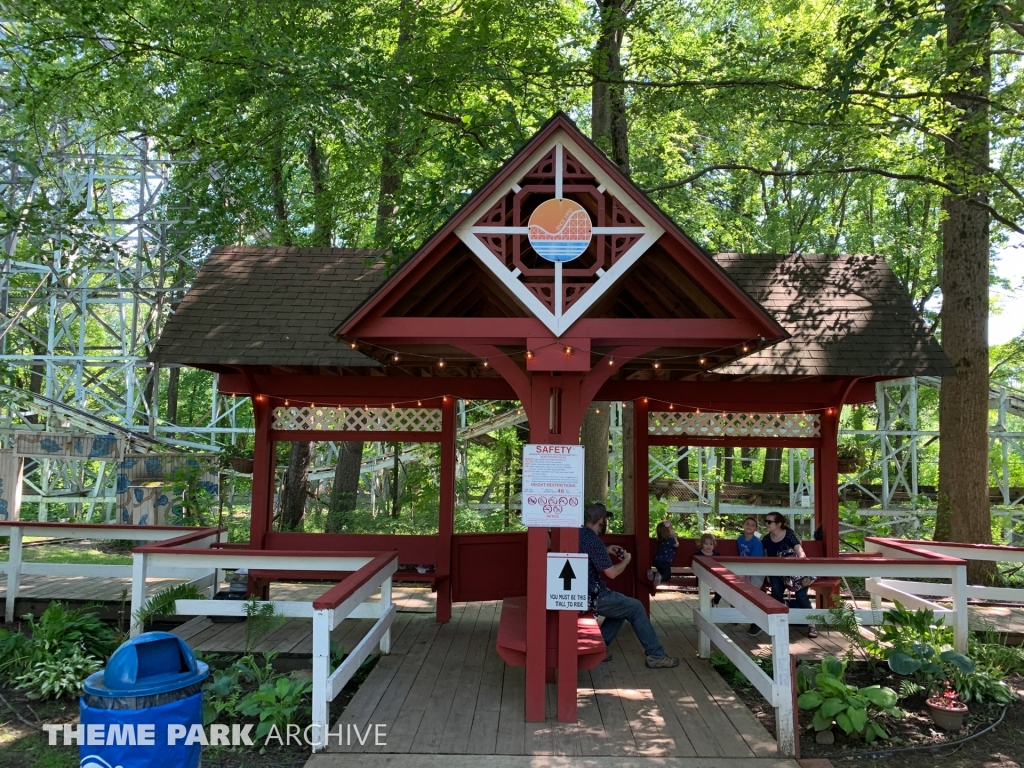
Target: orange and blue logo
x: 560, y: 230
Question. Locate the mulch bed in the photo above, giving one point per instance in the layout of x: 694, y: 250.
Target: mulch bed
x: 916, y: 734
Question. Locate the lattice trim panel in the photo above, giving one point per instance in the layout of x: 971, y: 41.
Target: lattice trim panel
x: 733, y: 424
x: 302, y: 419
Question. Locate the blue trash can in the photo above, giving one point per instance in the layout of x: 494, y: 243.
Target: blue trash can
x: 143, y: 706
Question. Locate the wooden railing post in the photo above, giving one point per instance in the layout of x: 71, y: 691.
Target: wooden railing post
x: 385, y: 603
x: 960, y: 631
x: 321, y: 671
x: 13, y: 572
x: 778, y: 628
x: 138, y: 591
x: 703, y: 641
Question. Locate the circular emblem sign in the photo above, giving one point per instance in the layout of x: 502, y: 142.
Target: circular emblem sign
x: 560, y: 230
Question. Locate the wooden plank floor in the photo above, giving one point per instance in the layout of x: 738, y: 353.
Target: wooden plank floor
x: 444, y: 690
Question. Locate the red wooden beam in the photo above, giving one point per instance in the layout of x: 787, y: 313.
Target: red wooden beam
x: 679, y: 332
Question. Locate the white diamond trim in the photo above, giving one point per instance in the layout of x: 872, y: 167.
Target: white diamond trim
x: 305, y: 418
x: 690, y: 424
x: 560, y: 324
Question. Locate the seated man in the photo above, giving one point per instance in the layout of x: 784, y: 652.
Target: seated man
x: 614, y: 606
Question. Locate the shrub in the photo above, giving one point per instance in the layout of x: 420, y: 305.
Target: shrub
x: 833, y: 702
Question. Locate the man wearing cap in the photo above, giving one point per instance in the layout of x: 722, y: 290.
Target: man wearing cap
x: 614, y: 606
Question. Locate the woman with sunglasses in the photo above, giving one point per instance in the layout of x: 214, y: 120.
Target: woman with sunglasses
x: 780, y: 541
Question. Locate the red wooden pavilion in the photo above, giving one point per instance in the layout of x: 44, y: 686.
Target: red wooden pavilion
x: 597, y: 296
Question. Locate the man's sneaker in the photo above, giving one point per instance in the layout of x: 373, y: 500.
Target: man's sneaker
x: 608, y: 657
x: 664, y: 662
x: 653, y: 576
x: 754, y: 630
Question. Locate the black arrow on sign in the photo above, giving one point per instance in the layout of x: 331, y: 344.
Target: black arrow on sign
x: 567, y: 575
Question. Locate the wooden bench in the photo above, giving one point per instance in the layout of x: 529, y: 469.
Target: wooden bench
x: 511, y: 644
x: 413, y: 550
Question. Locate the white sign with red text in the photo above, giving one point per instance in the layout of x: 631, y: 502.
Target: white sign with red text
x: 553, y: 486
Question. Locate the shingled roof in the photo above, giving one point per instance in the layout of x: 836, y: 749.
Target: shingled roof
x: 847, y: 315
x: 271, y: 306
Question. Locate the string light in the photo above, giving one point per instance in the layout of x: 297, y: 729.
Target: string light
x: 353, y: 344
x: 701, y: 362
x: 671, y: 406
x: 285, y: 403
x: 396, y: 358
x: 440, y: 363
x: 597, y: 410
x: 487, y: 363
x: 567, y: 350
x: 657, y: 364
x: 529, y: 354
x: 611, y: 361
x: 745, y: 348
x: 419, y: 402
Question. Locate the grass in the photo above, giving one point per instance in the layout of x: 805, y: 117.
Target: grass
x: 81, y: 553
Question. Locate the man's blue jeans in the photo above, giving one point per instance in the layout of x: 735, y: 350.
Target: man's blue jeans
x: 617, y: 608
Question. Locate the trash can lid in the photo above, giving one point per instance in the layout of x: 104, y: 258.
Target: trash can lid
x: 147, y: 665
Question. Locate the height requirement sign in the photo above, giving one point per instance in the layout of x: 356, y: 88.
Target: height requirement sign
x: 553, y: 486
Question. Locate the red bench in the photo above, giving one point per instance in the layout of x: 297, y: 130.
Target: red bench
x: 413, y: 550
x: 511, y: 644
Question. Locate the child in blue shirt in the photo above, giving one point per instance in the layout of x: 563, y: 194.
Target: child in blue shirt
x: 667, y: 545
x: 749, y: 545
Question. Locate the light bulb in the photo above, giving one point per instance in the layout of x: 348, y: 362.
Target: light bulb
x: 568, y: 350
x: 611, y: 361
x: 657, y: 364
x: 486, y: 363
x: 440, y: 363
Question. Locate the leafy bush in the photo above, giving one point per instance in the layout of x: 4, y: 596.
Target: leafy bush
x: 162, y: 603
x: 277, y: 703
x: 57, y: 674
x: 836, y: 703
x: 921, y: 647
x: 61, y: 649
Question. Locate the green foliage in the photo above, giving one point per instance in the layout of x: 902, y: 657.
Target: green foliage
x: 64, y: 647
x: 262, y: 618
x: 194, y: 499
x: 277, y: 702
x: 834, y: 702
x: 162, y: 603
x: 59, y: 673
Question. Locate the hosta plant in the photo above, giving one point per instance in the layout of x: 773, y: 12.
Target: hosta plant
x: 834, y: 702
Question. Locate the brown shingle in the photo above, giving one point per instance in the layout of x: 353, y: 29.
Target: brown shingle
x: 270, y: 306
x: 848, y: 315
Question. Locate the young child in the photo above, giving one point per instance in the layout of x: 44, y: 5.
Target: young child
x: 749, y: 545
x: 667, y: 545
x: 707, y: 547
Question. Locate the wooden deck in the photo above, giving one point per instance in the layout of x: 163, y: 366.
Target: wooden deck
x: 444, y: 690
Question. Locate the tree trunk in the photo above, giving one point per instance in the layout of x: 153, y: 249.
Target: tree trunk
x: 322, y: 220
x: 609, y: 127
x: 628, y: 470
x: 772, y: 465
x: 296, y: 481
x: 729, y: 453
x: 594, y: 437
x: 277, y: 190
x: 395, y: 490
x: 346, y: 487
x: 508, y: 487
x: 963, y: 399
x: 172, y: 395
x: 683, y: 464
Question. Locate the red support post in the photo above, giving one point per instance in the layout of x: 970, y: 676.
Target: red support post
x: 828, y: 480
x: 446, y: 510
x: 261, y: 515
x: 641, y: 500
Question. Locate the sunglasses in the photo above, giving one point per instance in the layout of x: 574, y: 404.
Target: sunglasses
x: 770, y: 521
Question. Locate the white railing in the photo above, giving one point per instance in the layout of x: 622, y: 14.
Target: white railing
x: 912, y: 593
x: 369, y: 573
x: 16, y: 567
x: 727, y: 576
